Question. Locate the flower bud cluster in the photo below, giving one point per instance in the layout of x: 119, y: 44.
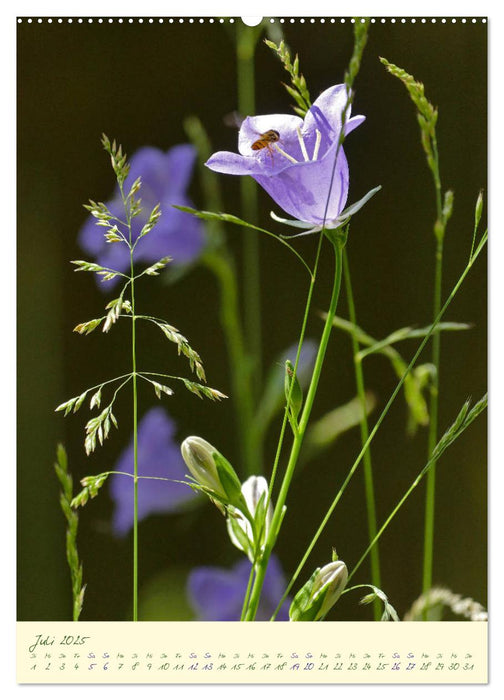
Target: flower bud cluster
x: 245, y: 505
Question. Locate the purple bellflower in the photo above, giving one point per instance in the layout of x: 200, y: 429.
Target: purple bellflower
x: 296, y: 165
x: 158, y: 456
x: 165, y: 178
x: 217, y: 594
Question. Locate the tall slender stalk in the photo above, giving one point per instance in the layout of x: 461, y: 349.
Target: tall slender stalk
x: 135, y: 447
x: 434, y: 389
x: 278, y: 513
x: 427, y: 118
x: 245, y: 47
x: 364, y: 432
x: 127, y: 207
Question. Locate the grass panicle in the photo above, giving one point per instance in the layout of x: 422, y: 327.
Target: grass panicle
x: 67, y: 506
x: 298, y: 89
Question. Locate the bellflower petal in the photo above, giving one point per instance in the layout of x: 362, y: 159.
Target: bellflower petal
x: 217, y: 594
x: 165, y: 178
x: 296, y: 163
x: 158, y: 456
x: 302, y: 189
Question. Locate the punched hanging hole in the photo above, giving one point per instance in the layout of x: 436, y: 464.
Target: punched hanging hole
x: 251, y: 21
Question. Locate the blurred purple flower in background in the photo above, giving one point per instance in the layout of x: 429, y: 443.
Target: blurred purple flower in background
x: 217, y: 594
x: 159, y: 456
x: 297, y: 168
x: 165, y: 178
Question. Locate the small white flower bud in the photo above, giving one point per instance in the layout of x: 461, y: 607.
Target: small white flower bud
x: 330, y: 580
x: 320, y: 593
x: 197, y: 454
x: 255, y: 493
x: 211, y: 470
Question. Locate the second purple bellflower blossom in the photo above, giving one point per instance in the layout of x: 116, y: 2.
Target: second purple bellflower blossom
x: 297, y: 170
x: 165, y: 178
x: 158, y: 457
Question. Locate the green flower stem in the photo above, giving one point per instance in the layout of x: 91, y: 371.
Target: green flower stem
x: 364, y: 431
x: 135, y: 405
x: 415, y: 357
x: 434, y: 389
x: 298, y: 437
x: 221, y: 266
x: 286, y: 411
x: 245, y: 47
x: 296, y: 363
x: 247, y: 594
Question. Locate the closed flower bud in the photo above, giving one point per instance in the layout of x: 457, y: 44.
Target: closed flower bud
x: 447, y: 205
x: 320, y: 593
x: 241, y: 531
x: 478, y: 210
x: 293, y: 391
x: 330, y: 581
x: 212, y: 471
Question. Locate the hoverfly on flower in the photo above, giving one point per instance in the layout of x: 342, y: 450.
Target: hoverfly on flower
x: 265, y: 140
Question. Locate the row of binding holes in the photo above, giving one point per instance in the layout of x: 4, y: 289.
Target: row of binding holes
x: 211, y: 20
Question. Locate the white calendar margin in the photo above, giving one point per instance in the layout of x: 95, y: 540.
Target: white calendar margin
x: 99, y: 662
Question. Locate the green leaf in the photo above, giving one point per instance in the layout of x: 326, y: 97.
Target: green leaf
x: 415, y: 382
x: 245, y: 544
x: 301, y: 608
x: 228, y: 478
x: 407, y: 334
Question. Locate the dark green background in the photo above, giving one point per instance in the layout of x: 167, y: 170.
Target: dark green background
x: 137, y: 82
